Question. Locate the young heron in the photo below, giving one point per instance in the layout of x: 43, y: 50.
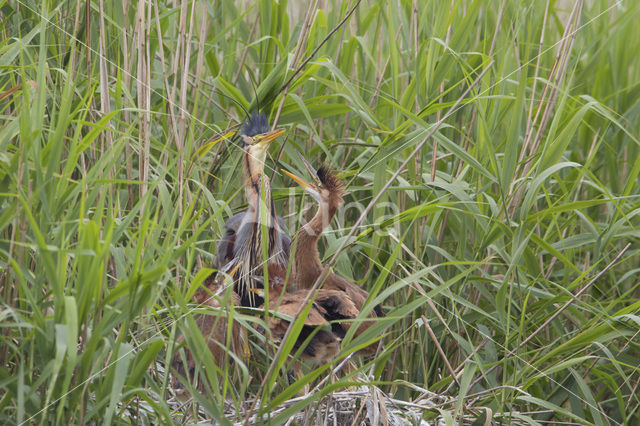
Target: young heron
x: 307, y: 266
x: 214, y: 329
x: 242, y: 242
x: 326, y: 310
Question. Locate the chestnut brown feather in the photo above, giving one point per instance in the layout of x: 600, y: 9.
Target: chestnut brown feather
x: 214, y: 330
x: 307, y: 265
x: 330, y: 180
x: 319, y: 344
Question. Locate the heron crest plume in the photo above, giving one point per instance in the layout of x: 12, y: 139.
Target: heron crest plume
x: 330, y: 179
x: 257, y: 124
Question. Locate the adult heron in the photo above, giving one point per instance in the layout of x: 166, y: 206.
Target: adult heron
x: 242, y: 243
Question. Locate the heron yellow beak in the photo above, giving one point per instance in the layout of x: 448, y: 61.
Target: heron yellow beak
x: 234, y: 270
x: 227, y: 269
x: 312, y: 172
x: 267, y: 138
x: 299, y: 180
x: 258, y: 291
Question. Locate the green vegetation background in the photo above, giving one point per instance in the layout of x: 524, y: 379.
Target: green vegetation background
x: 512, y: 234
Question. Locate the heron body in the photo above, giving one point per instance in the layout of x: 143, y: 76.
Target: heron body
x: 322, y: 331
x: 307, y: 266
x: 244, y: 233
x: 225, y: 250
x: 241, y: 251
x: 214, y: 329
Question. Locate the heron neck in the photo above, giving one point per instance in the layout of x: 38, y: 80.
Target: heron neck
x: 253, y: 169
x: 323, y: 217
x: 259, y: 218
x: 307, y: 264
x: 262, y: 207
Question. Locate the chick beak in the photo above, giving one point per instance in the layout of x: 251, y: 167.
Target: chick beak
x: 312, y: 172
x: 299, y: 180
x: 258, y: 291
x: 311, y: 189
x: 230, y: 269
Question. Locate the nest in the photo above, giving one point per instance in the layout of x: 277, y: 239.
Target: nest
x: 366, y: 405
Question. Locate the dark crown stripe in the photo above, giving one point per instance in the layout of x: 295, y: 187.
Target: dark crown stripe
x: 257, y: 124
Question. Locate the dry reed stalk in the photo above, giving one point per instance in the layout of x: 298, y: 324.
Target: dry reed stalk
x: 144, y: 94
x: 556, y: 76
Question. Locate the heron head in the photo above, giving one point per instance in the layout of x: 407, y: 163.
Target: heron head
x: 326, y: 188
x: 256, y: 138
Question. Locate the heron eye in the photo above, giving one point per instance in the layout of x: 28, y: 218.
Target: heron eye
x: 248, y: 140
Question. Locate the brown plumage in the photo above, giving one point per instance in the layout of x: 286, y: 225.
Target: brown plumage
x: 329, y: 306
x: 307, y: 266
x: 214, y: 330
